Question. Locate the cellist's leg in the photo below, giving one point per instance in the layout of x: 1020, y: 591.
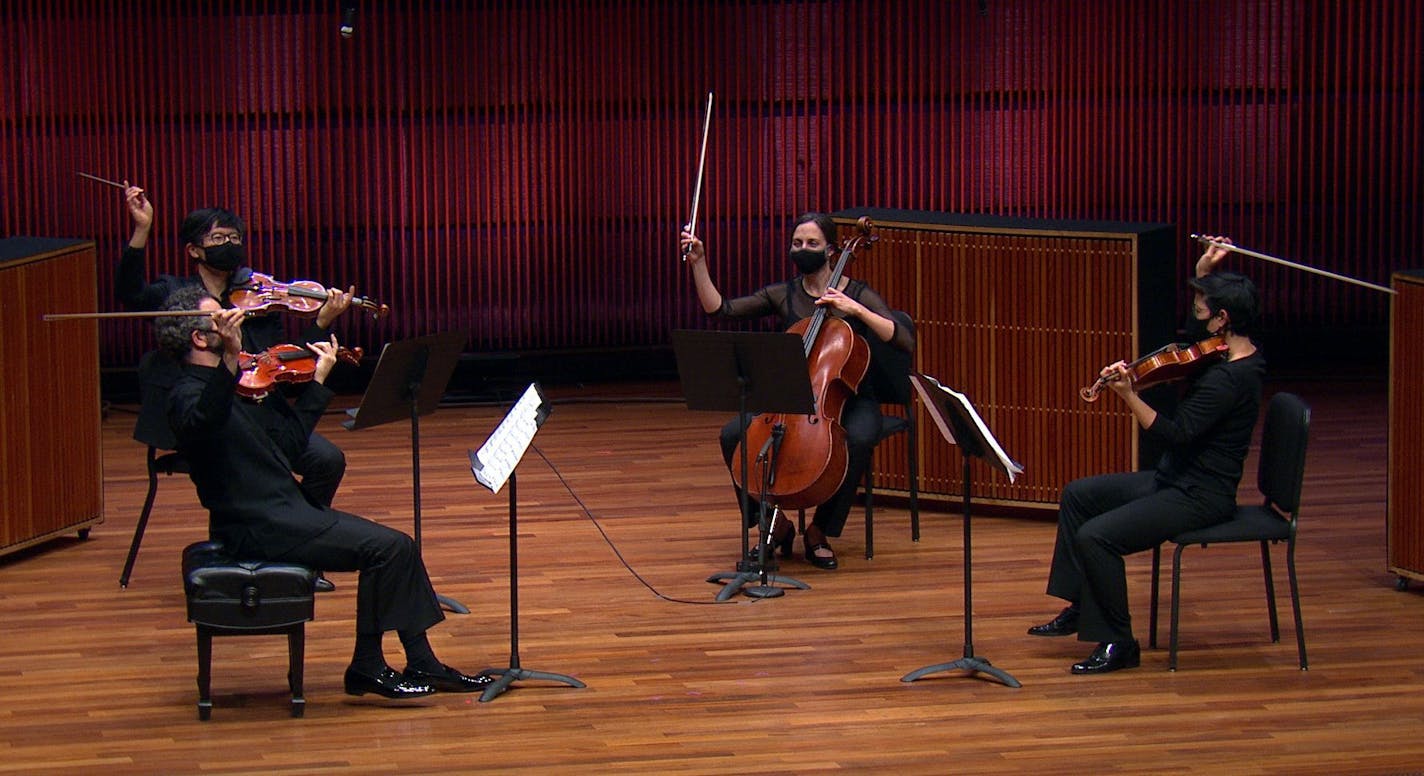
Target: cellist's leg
x: 861, y: 421
x: 730, y: 438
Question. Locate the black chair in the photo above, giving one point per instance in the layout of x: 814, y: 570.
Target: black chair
x: 890, y: 379
x: 232, y: 597
x: 156, y: 375
x: 1279, y: 476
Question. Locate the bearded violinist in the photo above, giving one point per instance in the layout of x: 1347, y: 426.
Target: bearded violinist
x: 213, y: 240
x: 239, y: 450
x: 1103, y: 518
x: 812, y: 248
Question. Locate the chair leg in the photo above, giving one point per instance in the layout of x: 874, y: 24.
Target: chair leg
x: 205, y: 663
x: 142, y: 521
x: 1156, y: 568
x: 296, y: 652
x: 914, y: 481
x: 1295, y: 604
x: 1176, y: 596
x: 1270, y: 591
x: 869, y: 512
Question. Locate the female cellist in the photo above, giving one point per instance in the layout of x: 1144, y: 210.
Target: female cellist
x: 1105, y: 517
x: 213, y: 240
x: 813, y: 251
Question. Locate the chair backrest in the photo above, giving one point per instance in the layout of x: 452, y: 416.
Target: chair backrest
x: 1283, y: 437
x: 157, y: 373
x: 890, y: 367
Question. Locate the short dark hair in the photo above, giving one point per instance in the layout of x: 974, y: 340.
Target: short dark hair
x: 201, y: 221
x: 822, y: 220
x: 175, y: 333
x: 1235, y: 294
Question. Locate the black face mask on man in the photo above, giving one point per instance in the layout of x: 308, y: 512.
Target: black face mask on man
x: 224, y: 258
x: 808, y: 260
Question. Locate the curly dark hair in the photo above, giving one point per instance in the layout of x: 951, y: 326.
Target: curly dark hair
x: 175, y: 334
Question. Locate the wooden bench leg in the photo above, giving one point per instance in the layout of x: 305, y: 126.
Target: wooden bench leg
x: 205, y: 663
x: 296, y: 651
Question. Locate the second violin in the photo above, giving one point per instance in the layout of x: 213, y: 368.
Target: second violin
x: 1175, y: 361
x: 300, y: 297
x: 282, y: 364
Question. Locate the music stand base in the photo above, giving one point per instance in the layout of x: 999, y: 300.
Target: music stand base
x: 451, y: 604
x: 734, y: 580
x: 508, y: 676
x: 971, y: 664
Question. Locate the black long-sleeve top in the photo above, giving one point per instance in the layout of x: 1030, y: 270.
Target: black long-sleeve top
x: 1208, y: 436
x: 240, y: 453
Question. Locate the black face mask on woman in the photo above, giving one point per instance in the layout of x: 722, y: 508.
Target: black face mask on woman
x: 807, y: 260
x: 1197, y: 330
x: 224, y: 258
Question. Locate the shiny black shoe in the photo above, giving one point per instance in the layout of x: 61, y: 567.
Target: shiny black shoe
x: 448, y: 679
x: 827, y: 562
x: 1110, y: 656
x: 323, y: 585
x: 387, y: 684
x: 1065, y: 624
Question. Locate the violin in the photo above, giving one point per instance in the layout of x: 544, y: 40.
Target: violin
x: 282, y: 364
x: 1164, y: 365
x: 812, y: 460
x: 299, y: 297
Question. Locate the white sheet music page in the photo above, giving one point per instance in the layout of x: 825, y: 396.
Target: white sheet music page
x: 495, y: 460
x: 1011, y: 468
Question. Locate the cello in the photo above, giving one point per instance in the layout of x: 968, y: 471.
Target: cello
x: 808, y: 457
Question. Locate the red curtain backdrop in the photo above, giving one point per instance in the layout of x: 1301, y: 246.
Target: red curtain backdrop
x: 518, y: 170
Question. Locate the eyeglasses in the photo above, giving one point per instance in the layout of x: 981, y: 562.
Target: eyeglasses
x: 222, y: 238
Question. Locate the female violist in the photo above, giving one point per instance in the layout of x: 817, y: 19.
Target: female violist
x: 212, y: 240
x: 812, y: 251
x: 1105, y: 517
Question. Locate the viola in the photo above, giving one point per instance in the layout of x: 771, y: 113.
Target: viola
x: 282, y: 364
x: 299, y: 297
x: 812, y: 459
x: 1175, y: 361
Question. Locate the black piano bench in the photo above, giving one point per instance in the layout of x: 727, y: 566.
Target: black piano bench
x: 229, y: 597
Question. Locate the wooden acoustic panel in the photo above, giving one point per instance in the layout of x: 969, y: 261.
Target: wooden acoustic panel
x: 1019, y: 314
x: 1405, y: 507
x: 50, y: 471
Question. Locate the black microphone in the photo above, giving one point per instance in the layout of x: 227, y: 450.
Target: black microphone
x: 348, y: 18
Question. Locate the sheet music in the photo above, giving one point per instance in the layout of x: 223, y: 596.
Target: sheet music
x: 1010, y: 467
x: 495, y: 460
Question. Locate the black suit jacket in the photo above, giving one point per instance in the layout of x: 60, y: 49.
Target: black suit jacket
x: 240, y: 452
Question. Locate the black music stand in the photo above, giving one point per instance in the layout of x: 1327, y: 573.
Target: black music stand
x: 493, y: 466
x: 409, y: 381
x: 746, y: 372
x: 960, y: 424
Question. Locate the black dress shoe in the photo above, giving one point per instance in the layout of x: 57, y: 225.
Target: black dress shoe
x: 1110, y: 656
x: 1065, y: 624
x: 323, y: 585
x: 387, y: 683
x: 448, y: 679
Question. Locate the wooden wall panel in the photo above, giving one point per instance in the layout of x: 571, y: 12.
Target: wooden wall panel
x: 1018, y: 315
x: 1405, y: 505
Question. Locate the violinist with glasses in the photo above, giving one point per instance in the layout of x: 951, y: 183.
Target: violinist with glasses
x: 213, y: 239
x: 1103, y: 518
x: 238, y: 450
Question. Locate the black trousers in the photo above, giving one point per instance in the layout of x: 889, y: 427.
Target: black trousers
x: 861, y: 420
x: 393, y: 591
x: 1104, y: 518
x: 321, y: 467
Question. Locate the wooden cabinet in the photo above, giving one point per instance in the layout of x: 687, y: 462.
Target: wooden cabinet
x: 1405, y: 503
x: 51, y: 480
x: 1019, y: 314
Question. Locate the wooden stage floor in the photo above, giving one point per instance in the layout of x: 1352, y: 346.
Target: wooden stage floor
x: 101, y: 679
